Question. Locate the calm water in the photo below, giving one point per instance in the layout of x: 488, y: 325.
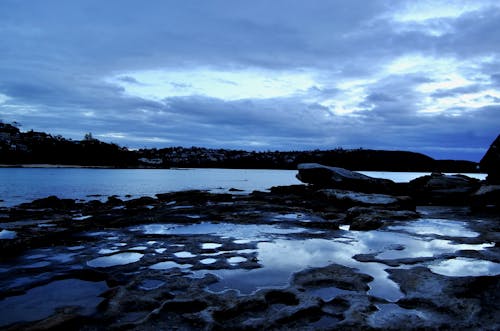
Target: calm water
x: 26, y: 184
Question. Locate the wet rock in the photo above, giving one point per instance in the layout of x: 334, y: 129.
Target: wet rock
x: 140, y: 202
x: 371, y: 218
x: 114, y: 201
x: 348, y: 199
x: 284, y: 297
x: 298, y: 190
x: 194, y: 197
x: 340, y: 178
x: 440, y: 189
x: 488, y: 196
x: 451, y: 302
x: 67, y: 318
x: 490, y: 163
x: 51, y: 202
x: 333, y: 275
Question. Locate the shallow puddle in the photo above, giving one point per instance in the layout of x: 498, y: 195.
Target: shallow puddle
x: 281, y: 258
x: 169, y: 265
x: 441, y: 227
x: 184, y: 254
x: 210, y: 246
x: 7, y: 234
x: 462, y: 267
x: 40, y: 302
x: 115, y: 260
x: 236, y: 259
x: 238, y: 231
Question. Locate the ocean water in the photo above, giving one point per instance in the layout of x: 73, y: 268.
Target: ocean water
x: 18, y: 185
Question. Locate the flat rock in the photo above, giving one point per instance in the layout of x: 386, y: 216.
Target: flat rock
x: 451, y: 302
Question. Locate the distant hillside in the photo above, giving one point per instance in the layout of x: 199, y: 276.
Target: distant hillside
x: 32, y: 147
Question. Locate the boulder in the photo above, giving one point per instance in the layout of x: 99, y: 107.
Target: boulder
x: 441, y: 189
x: 114, y: 201
x: 490, y: 163
x: 340, y: 178
x: 487, y: 197
x: 52, y: 202
x: 140, y: 202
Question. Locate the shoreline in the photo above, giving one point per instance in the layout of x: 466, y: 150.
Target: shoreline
x: 47, y: 165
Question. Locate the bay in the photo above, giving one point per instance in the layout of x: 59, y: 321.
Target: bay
x: 18, y: 185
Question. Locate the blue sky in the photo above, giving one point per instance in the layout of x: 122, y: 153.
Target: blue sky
x: 257, y: 75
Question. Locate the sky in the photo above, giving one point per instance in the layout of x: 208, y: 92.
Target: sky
x: 258, y: 75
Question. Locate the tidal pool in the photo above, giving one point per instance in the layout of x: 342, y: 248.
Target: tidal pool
x: 280, y: 254
x: 238, y: 231
x: 441, y: 227
x: 184, y: 254
x: 7, y: 234
x: 282, y: 257
x: 114, y: 260
x: 462, y: 267
x: 42, y: 301
x: 210, y: 246
x: 169, y: 265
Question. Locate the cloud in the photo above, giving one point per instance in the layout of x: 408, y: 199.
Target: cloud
x: 271, y: 75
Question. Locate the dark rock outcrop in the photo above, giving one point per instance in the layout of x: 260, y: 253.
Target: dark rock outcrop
x: 349, y: 199
x: 490, y: 163
x: 440, y: 189
x: 52, y: 202
x: 340, y: 178
x: 488, y: 196
x: 371, y: 218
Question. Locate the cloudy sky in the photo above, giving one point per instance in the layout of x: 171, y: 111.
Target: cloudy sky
x: 256, y: 75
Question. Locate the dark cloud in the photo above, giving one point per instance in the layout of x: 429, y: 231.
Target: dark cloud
x: 442, y: 93
x: 130, y: 80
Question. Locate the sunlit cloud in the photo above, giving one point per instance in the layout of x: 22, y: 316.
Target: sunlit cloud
x: 225, y: 85
x: 461, y: 103
x: 417, y: 11
x: 3, y: 98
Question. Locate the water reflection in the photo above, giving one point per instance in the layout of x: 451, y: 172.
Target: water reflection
x: 114, y: 260
x: 7, y: 234
x: 442, y: 227
x: 281, y: 256
x: 169, y: 265
x: 462, y: 267
x: 240, y: 231
x: 41, y: 302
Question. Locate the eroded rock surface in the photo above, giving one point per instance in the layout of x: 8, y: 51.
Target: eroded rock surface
x: 291, y: 258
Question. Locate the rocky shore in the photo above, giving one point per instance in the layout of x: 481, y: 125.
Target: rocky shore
x: 342, y: 251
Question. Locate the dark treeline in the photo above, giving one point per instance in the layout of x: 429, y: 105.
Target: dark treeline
x: 32, y: 147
